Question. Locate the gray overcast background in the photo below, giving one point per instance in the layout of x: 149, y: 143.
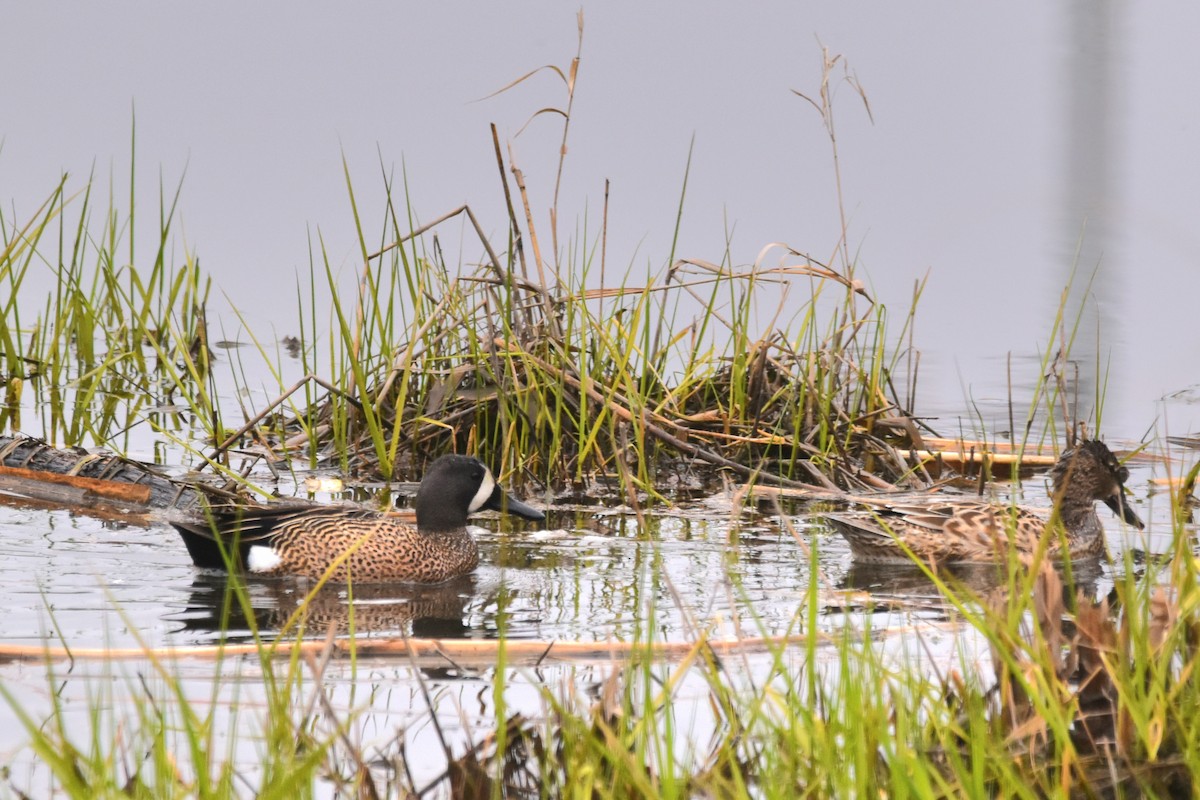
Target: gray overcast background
x: 1000, y: 129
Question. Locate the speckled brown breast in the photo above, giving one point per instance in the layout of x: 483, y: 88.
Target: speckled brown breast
x: 381, y: 549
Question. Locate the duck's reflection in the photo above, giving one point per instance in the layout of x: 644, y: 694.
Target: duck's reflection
x: 910, y: 581
x: 219, y: 607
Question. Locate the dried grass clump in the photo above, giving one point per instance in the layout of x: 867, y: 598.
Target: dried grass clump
x: 567, y: 382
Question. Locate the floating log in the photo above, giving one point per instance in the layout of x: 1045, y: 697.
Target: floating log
x: 962, y: 458
x: 33, y: 468
x: 462, y: 652
x: 18, y: 478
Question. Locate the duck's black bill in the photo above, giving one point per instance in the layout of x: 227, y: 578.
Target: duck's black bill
x: 506, y: 503
x: 1122, y: 509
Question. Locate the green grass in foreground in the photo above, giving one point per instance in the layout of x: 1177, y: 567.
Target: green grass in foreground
x: 1084, y: 700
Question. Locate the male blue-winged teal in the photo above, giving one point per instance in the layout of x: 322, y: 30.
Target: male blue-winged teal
x: 949, y: 531
x: 305, y: 539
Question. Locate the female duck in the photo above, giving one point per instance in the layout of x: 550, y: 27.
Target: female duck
x: 359, y: 544
x: 953, y: 531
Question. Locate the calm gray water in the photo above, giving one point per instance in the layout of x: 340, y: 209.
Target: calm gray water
x: 592, y: 576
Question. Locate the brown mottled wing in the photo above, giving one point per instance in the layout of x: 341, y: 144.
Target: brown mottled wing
x: 381, y: 549
x: 881, y: 537
x: 943, y: 532
x: 983, y: 532
x: 253, y: 524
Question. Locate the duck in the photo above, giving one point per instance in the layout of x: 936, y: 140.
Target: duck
x: 967, y: 531
x: 312, y: 541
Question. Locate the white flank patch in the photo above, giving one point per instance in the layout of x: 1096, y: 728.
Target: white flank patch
x: 485, y: 491
x: 262, y: 559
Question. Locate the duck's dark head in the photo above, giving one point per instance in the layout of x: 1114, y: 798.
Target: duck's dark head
x: 1089, y: 471
x: 454, y: 487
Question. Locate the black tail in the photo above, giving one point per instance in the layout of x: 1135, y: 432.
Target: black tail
x: 205, y: 549
x: 226, y: 533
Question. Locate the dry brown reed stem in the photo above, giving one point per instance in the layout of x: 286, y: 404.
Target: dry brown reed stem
x: 300, y: 439
x: 781, y: 274
x: 968, y: 451
x: 763, y: 439
x: 805, y: 492
x: 242, y: 431
x: 977, y: 457
x: 548, y: 315
x: 825, y: 109
x: 513, y: 225
x: 967, y: 445
x: 654, y: 430
x: 464, y: 209
x: 401, y: 362
x: 572, y: 74
x: 867, y: 478
x: 460, y: 651
x: 518, y: 239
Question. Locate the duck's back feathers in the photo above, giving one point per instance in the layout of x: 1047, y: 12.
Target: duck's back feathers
x: 944, y: 532
x: 307, y: 540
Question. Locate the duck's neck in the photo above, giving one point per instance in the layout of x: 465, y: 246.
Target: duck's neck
x: 439, y: 520
x: 1076, y: 514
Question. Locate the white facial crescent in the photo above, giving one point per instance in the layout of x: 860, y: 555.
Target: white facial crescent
x: 486, y: 487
